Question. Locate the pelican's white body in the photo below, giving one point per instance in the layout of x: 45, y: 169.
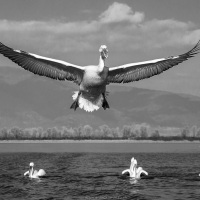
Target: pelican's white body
x: 93, y: 85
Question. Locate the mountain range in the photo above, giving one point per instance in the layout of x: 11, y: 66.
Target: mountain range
x: 27, y: 100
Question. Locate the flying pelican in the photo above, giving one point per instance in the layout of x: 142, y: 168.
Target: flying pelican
x: 133, y: 171
x: 34, y: 173
x: 92, y: 79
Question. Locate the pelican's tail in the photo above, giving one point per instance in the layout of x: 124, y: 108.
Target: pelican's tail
x: 87, y: 103
x: 41, y: 172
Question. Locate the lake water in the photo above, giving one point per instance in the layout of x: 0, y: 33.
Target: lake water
x: 98, y: 176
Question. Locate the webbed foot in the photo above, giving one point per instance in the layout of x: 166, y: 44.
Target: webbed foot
x: 75, y: 104
x: 105, y: 103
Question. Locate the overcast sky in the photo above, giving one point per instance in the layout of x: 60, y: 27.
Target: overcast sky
x: 133, y: 30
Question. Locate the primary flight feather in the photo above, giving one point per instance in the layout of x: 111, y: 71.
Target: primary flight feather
x: 92, y: 79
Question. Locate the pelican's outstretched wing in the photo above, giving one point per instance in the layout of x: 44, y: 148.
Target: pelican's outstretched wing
x: 126, y: 170
x: 141, y: 70
x: 43, y: 66
x: 26, y: 173
x: 140, y: 171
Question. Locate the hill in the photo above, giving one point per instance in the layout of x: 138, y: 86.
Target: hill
x: 28, y: 100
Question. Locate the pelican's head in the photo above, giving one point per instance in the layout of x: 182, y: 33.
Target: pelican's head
x: 134, y: 161
x: 103, y: 51
x: 31, y: 164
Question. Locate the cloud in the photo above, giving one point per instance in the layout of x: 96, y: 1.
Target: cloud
x: 49, y: 36
x: 118, y: 12
x: 119, y: 27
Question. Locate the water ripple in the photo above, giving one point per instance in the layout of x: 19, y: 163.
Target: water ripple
x: 98, y: 176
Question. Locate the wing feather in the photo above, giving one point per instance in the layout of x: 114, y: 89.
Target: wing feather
x: 43, y: 66
x: 138, y: 71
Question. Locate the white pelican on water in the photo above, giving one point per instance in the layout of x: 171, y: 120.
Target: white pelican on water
x: 34, y: 173
x: 92, y: 79
x: 133, y: 171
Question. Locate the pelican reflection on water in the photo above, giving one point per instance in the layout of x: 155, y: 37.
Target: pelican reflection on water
x: 93, y: 79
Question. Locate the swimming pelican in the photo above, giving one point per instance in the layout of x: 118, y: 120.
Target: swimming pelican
x: 34, y: 173
x: 133, y: 171
x: 92, y: 79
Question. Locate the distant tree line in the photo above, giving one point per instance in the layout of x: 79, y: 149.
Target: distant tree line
x: 104, y: 132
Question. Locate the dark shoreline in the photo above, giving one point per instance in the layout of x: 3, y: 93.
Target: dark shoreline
x: 98, y: 141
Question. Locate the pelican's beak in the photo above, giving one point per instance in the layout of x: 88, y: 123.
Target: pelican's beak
x: 105, y: 53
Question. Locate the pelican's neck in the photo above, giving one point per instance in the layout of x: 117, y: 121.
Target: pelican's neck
x: 31, y: 172
x: 101, y: 63
x: 133, y: 170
